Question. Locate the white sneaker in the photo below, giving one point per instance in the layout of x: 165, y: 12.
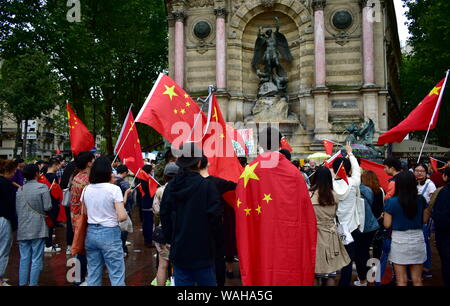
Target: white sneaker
x: 127, y: 243
x: 359, y: 284
x: 83, y: 284
x: 52, y: 249
x: 69, y: 250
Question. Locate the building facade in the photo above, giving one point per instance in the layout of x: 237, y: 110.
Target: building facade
x: 345, y: 67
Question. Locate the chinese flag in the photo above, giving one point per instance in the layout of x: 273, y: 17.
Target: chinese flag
x: 168, y: 104
x: 128, y: 145
x: 275, y: 224
x: 218, y: 147
x: 383, y: 178
x: 341, y: 173
x: 328, y: 146
x: 329, y: 162
x: 80, y: 137
x: 419, y: 119
x: 285, y: 144
x: 434, y: 165
x: 54, y: 188
x: 152, y: 183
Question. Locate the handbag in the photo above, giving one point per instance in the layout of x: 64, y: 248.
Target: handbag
x: 127, y: 225
x: 80, y: 228
x: 67, y: 194
x: 344, y: 234
x: 360, y: 210
x: 158, y: 235
x: 48, y: 220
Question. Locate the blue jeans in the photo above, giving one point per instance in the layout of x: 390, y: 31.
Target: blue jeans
x: 5, y: 244
x: 104, y: 247
x: 31, y: 256
x: 201, y: 277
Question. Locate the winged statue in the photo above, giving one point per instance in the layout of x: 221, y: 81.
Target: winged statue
x: 269, y: 48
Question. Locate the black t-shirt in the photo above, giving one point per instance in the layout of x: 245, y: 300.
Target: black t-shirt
x: 8, y: 202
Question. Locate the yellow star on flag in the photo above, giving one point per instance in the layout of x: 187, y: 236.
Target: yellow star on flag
x: 249, y: 173
x: 186, y: 95
x: 434, y: 91
x: 170, y: 91
x: 175, y: 111
x: 222, y: 136
x: 215, y: 115
x: 188, y: 104
x: 182, y: 111
x: 238, y: 203
x: 258, y: 210
x: 247, y: 211
x: 267, y: 198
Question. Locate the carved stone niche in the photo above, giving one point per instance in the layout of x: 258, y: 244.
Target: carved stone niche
x: 267, y: 3
x: 201, y: 3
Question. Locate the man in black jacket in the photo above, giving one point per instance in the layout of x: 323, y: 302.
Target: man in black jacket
x: 190, y: 218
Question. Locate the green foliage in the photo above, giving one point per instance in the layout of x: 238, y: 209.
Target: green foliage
x: 428, y: 62
x: 28, y: 87
x: 110, y: 59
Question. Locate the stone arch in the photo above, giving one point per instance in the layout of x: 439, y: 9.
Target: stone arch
x: 294, y: 10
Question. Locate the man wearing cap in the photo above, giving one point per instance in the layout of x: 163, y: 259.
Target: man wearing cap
x: 190, y: 218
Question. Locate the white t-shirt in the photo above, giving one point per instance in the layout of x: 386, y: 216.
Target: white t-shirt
x: 428, y: 192
x: 100, y: 199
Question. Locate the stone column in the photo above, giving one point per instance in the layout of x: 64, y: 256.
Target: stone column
x: 320, y: 93
x: 368, y: 43
x: 319, y: 42
x: 221, y: 52
x: 179, y: 16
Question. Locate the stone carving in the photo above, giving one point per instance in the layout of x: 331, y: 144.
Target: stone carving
x: 269, y: 46
x: 179, y: 15
x: 201, y: 3
x: 342, y: 38
x: 270, y: 109
x: 319, y: 4
x: 363, y: 136
x: 267, y: 3
x: 220, y: 12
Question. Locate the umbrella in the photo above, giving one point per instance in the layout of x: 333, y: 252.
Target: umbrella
x: 319, y: 156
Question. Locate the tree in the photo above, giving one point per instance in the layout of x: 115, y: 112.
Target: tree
x: 105, y: 62
x: 28, y: 89
x: 428, y: 61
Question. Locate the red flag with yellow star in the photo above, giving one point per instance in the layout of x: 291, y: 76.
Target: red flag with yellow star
x: 80, y: 137
x: 169, y: 106
x: 128, y: 146
x: 218, y: 147
x: 275, y: 224
x: 425, y: 115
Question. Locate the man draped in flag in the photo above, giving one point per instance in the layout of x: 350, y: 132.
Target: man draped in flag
x: 80, y: 137
x: 275, y: 227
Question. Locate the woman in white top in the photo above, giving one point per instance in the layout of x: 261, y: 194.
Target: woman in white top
x: 105, y: 208
x: 347, y: 214
x: 426, y: 188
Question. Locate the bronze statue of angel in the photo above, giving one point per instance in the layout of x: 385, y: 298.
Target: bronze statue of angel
x: 269, y: 47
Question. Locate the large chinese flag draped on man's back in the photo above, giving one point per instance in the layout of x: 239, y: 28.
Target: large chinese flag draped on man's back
x: 218, y: 147
x: 168, y: 104
x: 275, y: 225
x: 80, y: 137
x: 128, y: 145
x: 418, y: 120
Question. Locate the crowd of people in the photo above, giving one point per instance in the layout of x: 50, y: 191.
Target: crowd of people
x: 192, y: 227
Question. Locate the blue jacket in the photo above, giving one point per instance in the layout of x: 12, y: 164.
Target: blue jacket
x: 370, y: 222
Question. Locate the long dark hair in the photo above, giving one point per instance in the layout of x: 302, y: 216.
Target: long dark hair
x: 322, y: 181
x: 101, y: 171
x: 406, y: 190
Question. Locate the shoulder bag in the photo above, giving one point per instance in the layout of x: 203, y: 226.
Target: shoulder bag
x: 80, y: 228
x: 67, y: 193
x: 47, y: 218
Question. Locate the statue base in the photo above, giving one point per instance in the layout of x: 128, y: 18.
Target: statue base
x: 271, y: 109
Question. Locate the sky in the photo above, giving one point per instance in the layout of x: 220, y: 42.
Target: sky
x: 403, y: 32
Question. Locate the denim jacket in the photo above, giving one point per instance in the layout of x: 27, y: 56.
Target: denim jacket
x: 370, y: 222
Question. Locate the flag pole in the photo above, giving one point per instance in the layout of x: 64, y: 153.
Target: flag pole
x: 137, y: 172
x: 434, y: 114
x: 129, y: 131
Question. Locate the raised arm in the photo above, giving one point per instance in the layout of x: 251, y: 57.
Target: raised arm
x: 356, y: 170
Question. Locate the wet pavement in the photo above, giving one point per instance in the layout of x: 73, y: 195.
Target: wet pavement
x: 140, y: 263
